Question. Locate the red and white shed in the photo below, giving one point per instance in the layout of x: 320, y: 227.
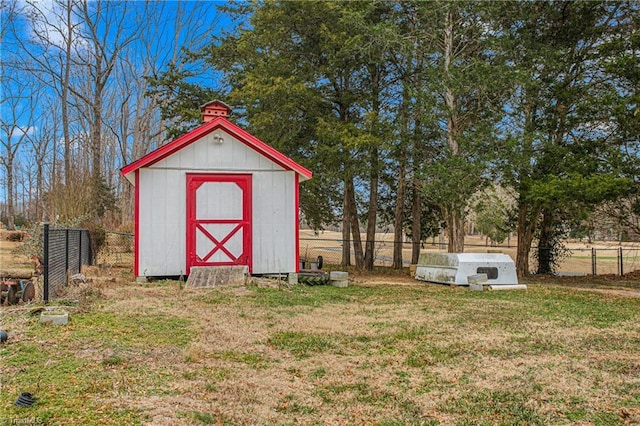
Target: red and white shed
x: 216, y: 196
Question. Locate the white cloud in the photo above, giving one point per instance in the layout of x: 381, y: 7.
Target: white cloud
x: 20, y: 132
x: 29, y: 131
x: 48, y: 21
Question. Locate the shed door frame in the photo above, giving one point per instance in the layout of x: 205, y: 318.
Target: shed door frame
x: 244, y: 225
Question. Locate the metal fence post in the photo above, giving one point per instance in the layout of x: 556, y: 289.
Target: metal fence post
x: 593, y: 261
x: 45, y: 262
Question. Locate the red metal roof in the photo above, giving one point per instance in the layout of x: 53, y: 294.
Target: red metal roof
x: 203, y: 130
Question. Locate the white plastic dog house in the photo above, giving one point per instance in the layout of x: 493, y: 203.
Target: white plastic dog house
x: 455, y: 268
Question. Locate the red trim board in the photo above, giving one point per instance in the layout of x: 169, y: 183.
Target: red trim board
x: 297, y: 223
x: 203, y: 130
x: 136, y: 225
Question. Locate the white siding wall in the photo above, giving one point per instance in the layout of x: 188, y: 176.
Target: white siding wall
x: 274, y: 226
x: 162, y: 222
x: 208, y: 155
x: 162, y: 216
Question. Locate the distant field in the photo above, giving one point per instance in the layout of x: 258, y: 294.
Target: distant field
x: 328, y: 245
x: 119, y: 252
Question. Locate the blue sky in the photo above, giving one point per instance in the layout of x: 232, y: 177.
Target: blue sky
x: 168, y: 25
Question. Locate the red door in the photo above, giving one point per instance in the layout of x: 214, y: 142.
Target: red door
x: 218, y: 220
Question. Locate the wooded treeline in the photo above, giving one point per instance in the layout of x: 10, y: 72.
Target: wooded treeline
x: 76, y: 106
x: 410, y: 114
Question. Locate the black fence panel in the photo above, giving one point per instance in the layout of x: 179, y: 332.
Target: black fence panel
x: 73, y: 251
x: 66, y: 250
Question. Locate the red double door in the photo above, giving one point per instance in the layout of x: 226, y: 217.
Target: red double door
x: 218, y: 220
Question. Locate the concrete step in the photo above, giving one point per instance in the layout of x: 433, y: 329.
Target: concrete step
x: 216, y: 276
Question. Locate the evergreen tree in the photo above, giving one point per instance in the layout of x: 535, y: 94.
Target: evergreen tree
x: 556, y: 154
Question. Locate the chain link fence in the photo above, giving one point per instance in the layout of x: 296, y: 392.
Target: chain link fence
x: 601, y: 260
x: 579, y: 259
x: 117, y: 251
x: 598, y: 259
x: 331, y: 250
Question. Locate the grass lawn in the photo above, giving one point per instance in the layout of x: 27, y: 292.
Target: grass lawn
x: 384, y: 351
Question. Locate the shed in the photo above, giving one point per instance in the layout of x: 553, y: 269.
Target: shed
x: 215, y: 196
x: 455, y: 268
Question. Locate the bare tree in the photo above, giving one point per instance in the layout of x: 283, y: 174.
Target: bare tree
x: 107, y: 32
x: 133, y: 118
x: 42, y: 148
x: 51, y: 44
x: 91, y: 58
x: 16, y: 123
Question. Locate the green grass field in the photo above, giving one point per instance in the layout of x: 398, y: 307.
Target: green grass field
x: 384, y: 351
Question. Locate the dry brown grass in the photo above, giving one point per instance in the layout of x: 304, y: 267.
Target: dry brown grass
x: 374, y: 353
x: 386, y: 350
x: 416, y: 359
x: 10, y: 260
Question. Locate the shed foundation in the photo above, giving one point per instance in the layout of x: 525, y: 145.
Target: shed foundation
x: 216, y: 276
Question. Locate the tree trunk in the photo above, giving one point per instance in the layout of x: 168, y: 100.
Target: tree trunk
x: 399, y: 220
x: 416, y: 226
x: 527, y: 221
x: 355, y: 224
x: 527, y: 214
x: 372, y: 213
x: 416, y: 185
x: 453, y: 214
x: 449, y: 95
x: 65, y: 95
x: 96, y: 145
x: 96, y: 155
x: 10, y: 198
x: 346, y: 228
x: 545, y: 243
x: 455, y: 231
x: 39, y: 186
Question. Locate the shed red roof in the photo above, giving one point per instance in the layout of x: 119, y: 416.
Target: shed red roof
x: 203, y: 130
